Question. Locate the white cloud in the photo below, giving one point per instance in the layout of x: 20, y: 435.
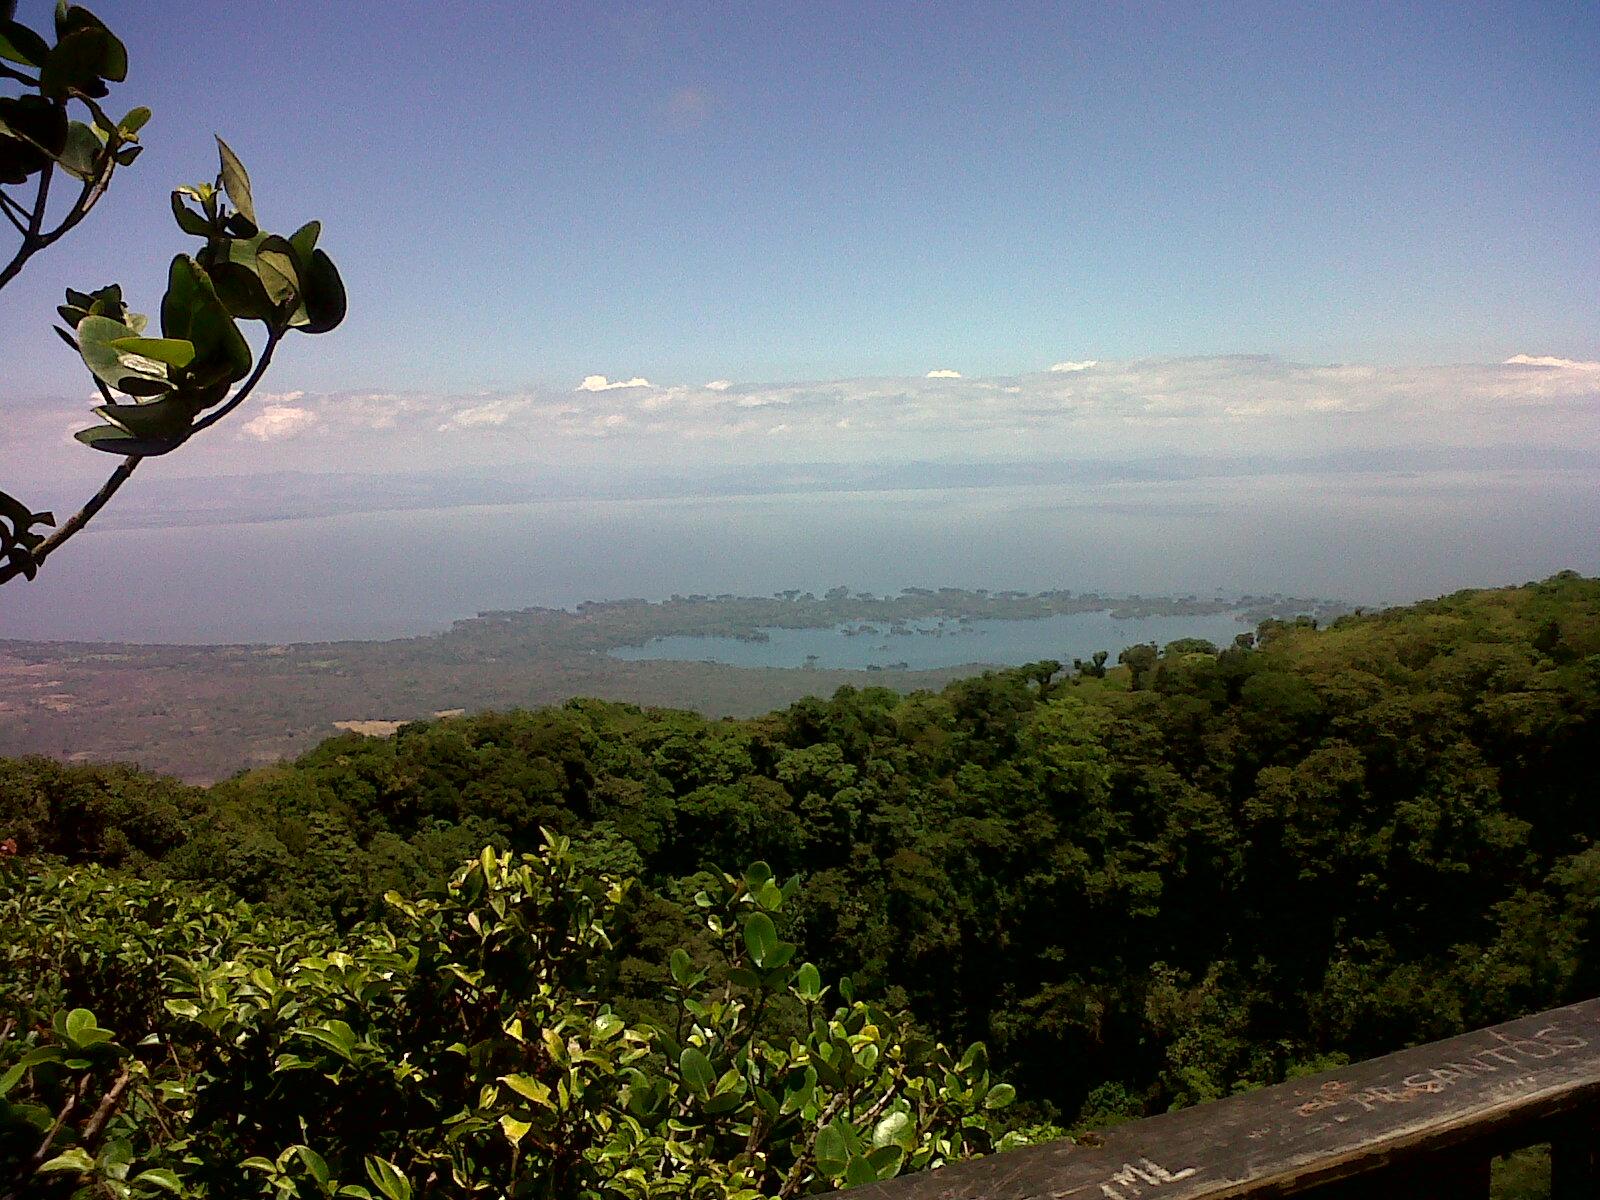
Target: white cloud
x: 1545, y: 360
x: 1212, y: 405
x: 279, y: 421
x: 719, y: 385
x: 495, y: 412
x: 1070, y: 366
x: 599, y: 383
x: 943, y: 373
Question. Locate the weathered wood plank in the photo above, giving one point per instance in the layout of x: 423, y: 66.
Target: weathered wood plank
x: 1390, y: 1113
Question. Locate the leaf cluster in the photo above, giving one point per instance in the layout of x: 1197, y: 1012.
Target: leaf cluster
x: 241, y: 274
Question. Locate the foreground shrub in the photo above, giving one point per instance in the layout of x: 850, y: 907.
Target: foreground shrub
x: 159, y: 1041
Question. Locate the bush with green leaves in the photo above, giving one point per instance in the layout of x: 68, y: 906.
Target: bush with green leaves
x: 160, y: 1040
x: 158, y: 391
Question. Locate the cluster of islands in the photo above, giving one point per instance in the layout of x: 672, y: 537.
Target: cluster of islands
x: 201, y: 712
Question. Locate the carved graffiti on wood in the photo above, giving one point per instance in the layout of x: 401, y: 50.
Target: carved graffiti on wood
x: 1501, y: 1054
x: 1133, y: 1178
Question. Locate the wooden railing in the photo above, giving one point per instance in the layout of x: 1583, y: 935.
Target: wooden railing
x: 1422, y: 1123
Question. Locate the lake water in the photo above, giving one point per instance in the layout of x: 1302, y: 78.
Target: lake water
x: 942, y: 643
x: 1366, y: 538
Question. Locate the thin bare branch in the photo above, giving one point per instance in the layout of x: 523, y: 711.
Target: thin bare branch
x: 41, y: 201
x: 90, y: 1138
x: 79, y: 519
x: 15, y: 213
x: 36, y: 238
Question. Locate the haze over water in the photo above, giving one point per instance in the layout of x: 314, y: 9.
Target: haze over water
x: 1371, y: 538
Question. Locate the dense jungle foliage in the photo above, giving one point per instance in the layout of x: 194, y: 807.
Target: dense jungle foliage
x: 1197, y: 872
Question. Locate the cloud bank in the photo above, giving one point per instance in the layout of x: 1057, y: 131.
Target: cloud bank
x: 1075, y: 410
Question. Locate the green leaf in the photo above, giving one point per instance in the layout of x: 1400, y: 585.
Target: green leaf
x: 9, y: 1079
x: 832, y: 1154
x: 32, y: 132
x: 22, y: 45
x: 80, y: 157
x: 798, y: 1090
x: 725, y: 1103
x: 191, y: 310
x: 760, y: 937
x: 756, y: 874
x: 860, y: 1170
x: 1000, y: 1095
x: 115, y: 440
x: 175, y: 352
x: 304, y: 240
x: 335, y: 1035
x: 325, y: 302
x: 159, y: 1177
x: 698, y: 1073
x: 514, y: 1129
x: 386, y: 1177
x: 236, y: 181
x: 895, y: 1129
x: 75, y: 1159
x: 188, y: 220
x: 136, y: 119
x: 80, y: 61
x: 108, y: 364
x: 886, y: 1161
x: 80, y: 1026
x: 529, y: 1088
x: 169, y: 417
x: 275, y: 264
x: 682, y: 967
x: 808, y: 982
x: 241, y: 291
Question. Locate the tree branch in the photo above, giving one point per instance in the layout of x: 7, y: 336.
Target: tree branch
x: 802, y: 1162
x: 243, y: 393
x: 41, y: 201
x: 78, y: 520
x: 120, y: 476
x: 90, y: 1137
x: 15, y: 213
x: 35, y: 238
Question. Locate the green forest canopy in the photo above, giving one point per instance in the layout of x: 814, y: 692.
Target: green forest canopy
x: 1200, y: 872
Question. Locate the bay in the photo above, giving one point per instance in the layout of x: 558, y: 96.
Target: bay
x: 925, y: 645
x: 1366, y: 538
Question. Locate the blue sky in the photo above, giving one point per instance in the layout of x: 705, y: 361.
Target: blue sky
x: 522, y: 196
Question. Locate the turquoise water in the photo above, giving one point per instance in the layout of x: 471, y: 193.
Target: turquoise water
x: 923, y: 645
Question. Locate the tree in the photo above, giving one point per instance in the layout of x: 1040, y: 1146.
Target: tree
x: 1140, y: 661
x: 158, y: 392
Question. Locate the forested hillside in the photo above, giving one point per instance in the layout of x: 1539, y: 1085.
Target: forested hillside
x: 1202, y: 870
